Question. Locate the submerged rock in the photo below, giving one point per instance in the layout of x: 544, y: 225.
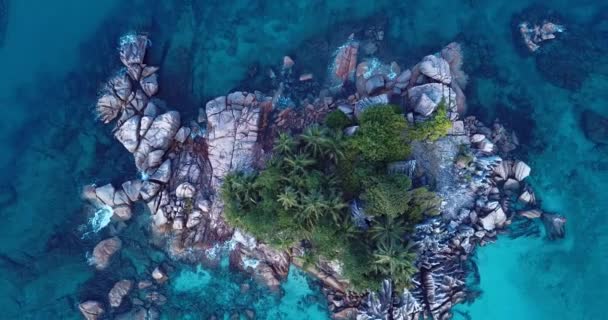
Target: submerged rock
x: 595, y: 126
x: 118, y: 292
x: 103, y: 252
x: 91, y: 310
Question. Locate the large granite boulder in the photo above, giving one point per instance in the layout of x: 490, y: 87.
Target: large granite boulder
x: 158, y: 137
x: 425, y: 98
x: 436, y: 68
x: 103, y: 252
x: 345, y: 61
x: 232, y: 126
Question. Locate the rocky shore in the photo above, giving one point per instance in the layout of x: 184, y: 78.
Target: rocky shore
x: 181, y: 166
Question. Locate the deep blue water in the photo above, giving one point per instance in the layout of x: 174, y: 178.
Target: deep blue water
x: 54, y: 55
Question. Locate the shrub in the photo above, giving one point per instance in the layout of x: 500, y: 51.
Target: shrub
x: 337, y: 120
x: 434, y: 128
x: 387, y: 195
x: 380, y: 137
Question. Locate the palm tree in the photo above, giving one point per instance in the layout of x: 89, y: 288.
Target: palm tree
x: 335, y: 207
x: 297, y: 164
x: 395, y: 261
x: 311, y: 209
x: 288, y: 199
x: 242, y: 188
x: 284, y: 144
x: 387, y: 229
x: 315, y: 140
x: 333, y: 148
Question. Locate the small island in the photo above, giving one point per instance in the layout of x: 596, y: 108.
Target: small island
x: 372, y: 181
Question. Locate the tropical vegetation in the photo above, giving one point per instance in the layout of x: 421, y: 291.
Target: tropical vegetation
x: 302, y: 197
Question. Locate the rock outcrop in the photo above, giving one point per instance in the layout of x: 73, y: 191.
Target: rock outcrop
x: 533, y: 35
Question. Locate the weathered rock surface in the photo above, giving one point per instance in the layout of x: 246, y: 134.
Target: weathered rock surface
x: 345, y: 61
x: 158, y: 137
x: 232, y: 125
x: 103, y: 252
x: 425, y: 98
x: 91, y: 310
x: 436, y: 68
x: 118, y: 292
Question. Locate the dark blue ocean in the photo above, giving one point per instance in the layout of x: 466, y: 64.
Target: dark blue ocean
x: 54, y: 55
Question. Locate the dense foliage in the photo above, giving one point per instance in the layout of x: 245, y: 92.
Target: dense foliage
x: 302, y: 198
x: 381, y: 135
x: 435, y: 127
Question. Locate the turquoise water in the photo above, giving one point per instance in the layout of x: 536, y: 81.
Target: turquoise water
x: 54, y: 56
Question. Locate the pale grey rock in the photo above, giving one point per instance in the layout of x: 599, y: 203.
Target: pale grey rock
x: 121, y: 198
x: 159, y: 218
x: 403, y: 79
x: 494, y: 219
x: 425, y: 98
x: 521, y: 170
x: 178, y: 223
x: 151, y: 109
x: 150, y: 84
x: 511, y: 184
x: 155, y: 158
x: 158, y: 137
x: 503, y: 169
x: 182, y: 134
x: 103, y: 252
x: 123, y: 212
x: 148, y: 70
x: 486, y: 146
x: 132, y: 49
x: 436, y: 68
x: 374, y: 84
x: 531, y: 214
x: 232, y: 134
x: 108, y: 107
x: 163, y: 173
x: 477, y: 138
x: 203, y: 204
x: 159, y: 275
x: 118, y: 292
x: 144, y: 125
x: 105, y: 194
x: 346, y: 109
x: 194, y: 219
x: 132, y: 189
x: 140, y: 101
x: 185, y: 190
x: 121, y: 86
x: 457, y: 128
x: 91, y: 310
x: 527, y: 197
x: 149, y: 189
x: 350, y: 131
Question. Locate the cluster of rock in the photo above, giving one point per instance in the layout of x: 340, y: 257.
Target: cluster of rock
x: 533, y: 35
x: 494, y: 192
x: 182, y: 167
x: 437, y: 78
x: 143, y: 295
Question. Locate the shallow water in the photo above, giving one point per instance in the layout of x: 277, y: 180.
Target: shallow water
x: 56, y: 54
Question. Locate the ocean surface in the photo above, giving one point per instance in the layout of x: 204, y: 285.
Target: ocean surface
x: 54, y: 55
